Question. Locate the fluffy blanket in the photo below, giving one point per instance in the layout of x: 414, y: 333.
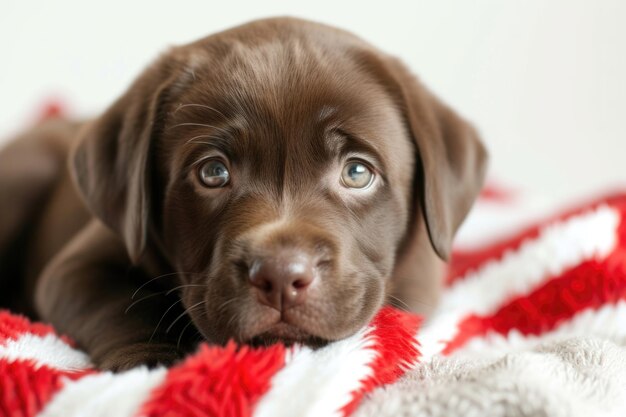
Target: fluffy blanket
x: 530, y: 324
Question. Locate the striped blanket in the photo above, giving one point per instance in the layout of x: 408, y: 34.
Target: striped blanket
x: 532, y: 322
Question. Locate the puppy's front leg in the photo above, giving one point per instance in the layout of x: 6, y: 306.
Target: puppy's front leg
x: 85, y: 292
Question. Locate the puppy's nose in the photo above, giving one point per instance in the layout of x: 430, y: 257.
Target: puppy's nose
x: 282, y: 281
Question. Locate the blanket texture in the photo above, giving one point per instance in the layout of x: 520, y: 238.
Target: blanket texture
x: 531, y: 324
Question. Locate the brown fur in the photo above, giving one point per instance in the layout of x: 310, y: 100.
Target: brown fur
x: 285, y: 101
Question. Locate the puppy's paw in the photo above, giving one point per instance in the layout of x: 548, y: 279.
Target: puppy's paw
x: 146, y: 354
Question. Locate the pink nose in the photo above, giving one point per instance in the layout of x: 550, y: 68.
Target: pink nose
x: 282, y: 281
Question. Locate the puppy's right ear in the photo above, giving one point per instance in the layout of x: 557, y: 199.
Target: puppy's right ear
x: 111, y: 163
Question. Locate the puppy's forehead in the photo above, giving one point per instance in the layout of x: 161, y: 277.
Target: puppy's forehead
x: 287, y: 86
x: 285, y: 92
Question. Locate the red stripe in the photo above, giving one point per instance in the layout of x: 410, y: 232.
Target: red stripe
x: 217, y: 382
x: 52, y: 109
x: 497, y: 193
x: 589, y: 285
x: 394, y: 341
x: 26, y: 387
x: 13, y: 326
x: 465, y: 261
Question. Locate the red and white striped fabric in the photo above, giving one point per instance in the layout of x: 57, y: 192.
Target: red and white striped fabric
x: 42, y: 375
x: 563, y: 276
x: 532, y: 322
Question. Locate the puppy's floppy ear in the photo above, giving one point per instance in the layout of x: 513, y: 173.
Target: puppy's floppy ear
x: 111, y: 162
x: 453, y: 159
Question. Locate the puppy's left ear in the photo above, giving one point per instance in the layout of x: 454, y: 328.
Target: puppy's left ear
x: 453, y: 159
x: 111, y: 163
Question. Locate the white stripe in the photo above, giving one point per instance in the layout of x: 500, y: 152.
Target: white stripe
x: 46, y: 350
x: 560, y: 246
x: 607, y: 322
x: 434, y: 336
x: 317, y: 383
x: 492, y: 221
x: 105, y: 394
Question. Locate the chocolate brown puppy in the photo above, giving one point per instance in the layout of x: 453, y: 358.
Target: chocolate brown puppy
x: 281, y: 180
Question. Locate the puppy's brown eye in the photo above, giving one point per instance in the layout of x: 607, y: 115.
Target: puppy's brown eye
x: 357, y: 175
x: 214, y: 174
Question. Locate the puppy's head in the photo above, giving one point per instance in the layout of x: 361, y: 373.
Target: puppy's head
x: 283, y: 168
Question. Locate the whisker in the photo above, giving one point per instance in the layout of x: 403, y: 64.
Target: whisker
x: 183, y: 314
x: 142, y: 299
x: 184, y: 286
x: 180, y: 337
x: 232, y: 319
x: 193, y: 140
x: 199, y: 142
x: 226, y: 132
x: 161, y: 320
x: 225, y: 304
x: 161, y: 276
x: 413, y: 301
x: 401, y: 303
x: 204, y: 106
x: 153, y: 279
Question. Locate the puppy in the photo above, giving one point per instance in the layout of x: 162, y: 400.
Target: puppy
x: 281, y: 180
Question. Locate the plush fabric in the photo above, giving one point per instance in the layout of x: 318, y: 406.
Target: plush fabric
x: 530, y: 324
x: 41, y: 374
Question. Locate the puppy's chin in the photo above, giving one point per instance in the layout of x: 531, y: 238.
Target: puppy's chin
x: 270, y: 326
x: 274, y: 327
x: 288, y: 335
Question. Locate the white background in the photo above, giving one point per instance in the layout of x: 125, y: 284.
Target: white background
x: 544, y: 81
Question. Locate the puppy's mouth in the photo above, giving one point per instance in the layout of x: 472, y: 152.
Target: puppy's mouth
x: 286, y: 334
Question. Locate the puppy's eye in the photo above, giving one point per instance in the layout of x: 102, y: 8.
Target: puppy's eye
x: 213, y: 173
x: 357, y: 175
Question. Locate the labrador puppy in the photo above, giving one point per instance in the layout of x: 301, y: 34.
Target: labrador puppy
x: 279, y: 181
